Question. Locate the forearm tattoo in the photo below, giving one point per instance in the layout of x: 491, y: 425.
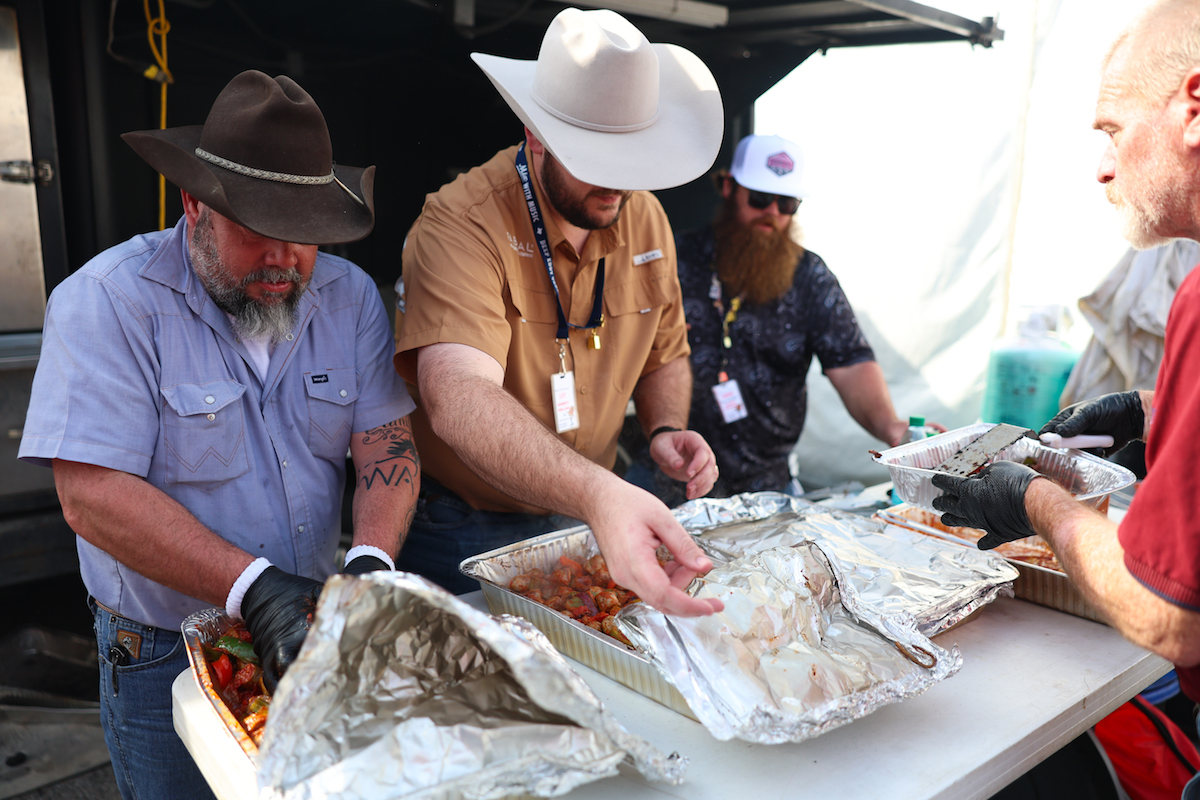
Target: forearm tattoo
x: 400, y: 466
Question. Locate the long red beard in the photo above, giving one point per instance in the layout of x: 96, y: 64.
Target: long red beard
x: 758, y: 265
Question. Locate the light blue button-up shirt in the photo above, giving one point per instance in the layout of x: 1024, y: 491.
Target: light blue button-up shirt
x: 141, y: 372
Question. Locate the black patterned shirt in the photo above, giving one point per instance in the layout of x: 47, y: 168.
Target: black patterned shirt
x: 772, y: 348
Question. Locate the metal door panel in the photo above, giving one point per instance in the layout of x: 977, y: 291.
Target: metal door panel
x: 23, y: 300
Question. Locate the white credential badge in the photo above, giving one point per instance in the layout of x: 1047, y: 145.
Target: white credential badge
x: 729, y: 399
x: 562, y: 389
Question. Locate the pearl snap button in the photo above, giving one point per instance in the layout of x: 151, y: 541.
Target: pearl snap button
x: 210, y: 399
x: 342, y: 392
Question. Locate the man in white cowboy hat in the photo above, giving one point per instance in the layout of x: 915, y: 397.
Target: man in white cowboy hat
x: 541, y: 295
x: 197, y: 392
x: 759, y: 306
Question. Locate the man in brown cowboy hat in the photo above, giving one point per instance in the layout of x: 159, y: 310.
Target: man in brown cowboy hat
x: 540, y: 295
x: 197, y: 392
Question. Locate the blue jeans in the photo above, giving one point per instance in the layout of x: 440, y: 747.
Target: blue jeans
x: 149, y: 759
x: 446, y: 530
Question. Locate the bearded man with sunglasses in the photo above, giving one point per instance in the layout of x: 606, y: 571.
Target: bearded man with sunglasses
x: 759, y: 307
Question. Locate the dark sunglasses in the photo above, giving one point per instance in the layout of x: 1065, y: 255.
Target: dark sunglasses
x: 760, y: 200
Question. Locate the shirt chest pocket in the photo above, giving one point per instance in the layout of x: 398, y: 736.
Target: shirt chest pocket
x: 204, y: 433
x: 331, y: 397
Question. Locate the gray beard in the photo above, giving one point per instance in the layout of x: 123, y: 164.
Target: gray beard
x: 251, y: 319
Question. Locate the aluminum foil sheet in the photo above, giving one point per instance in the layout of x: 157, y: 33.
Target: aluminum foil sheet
x: 1089, y: 478
x: 794, y: 654
x: 402, y: 690
x: 891, y: 568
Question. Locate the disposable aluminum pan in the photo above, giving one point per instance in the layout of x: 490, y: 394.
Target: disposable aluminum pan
x: 1089, y: 478
x: 403, y: 690
x: 1035, y: 583
x: 206, y: 627
x: 940, y: 585
x: 794, y: 654
x: 496, y: 568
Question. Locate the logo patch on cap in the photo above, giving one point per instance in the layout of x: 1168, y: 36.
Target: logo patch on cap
x: 780, y: 163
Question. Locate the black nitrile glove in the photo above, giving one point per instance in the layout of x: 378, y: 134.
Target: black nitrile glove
x: 360, y: 565
x: 1118, y: 415
x: 993, y: 499
x: 278, y: 609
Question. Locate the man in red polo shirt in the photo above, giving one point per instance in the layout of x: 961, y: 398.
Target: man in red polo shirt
x: 1145, y: 574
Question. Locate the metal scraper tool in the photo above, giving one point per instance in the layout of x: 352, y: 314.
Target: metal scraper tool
x: 976, y: 455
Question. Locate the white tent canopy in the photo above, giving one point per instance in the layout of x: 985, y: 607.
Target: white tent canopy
x: 950, y: 186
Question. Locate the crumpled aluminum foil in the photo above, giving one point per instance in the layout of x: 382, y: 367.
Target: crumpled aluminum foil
x: 891, y: 568
x: 792, y: 656
x: 402, y: 690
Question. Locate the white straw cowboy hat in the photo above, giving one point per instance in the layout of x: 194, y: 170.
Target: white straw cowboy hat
x: 263, y: 159
x: 614, y: 109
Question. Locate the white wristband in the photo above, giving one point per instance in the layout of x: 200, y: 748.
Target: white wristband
x: 233, y: 603
x: 369, y: 550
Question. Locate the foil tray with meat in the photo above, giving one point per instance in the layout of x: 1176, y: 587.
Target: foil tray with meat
x: 912, y: 466
x: 403, y: 690
x: 793, y: 654
x: 894, y: 571
x: 902, y: 574
x: 1040, y: 578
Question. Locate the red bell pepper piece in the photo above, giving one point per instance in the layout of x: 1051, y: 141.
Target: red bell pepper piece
x: 222, y: 670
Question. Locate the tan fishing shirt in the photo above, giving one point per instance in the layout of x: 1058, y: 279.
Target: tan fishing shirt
x: 473, y: 275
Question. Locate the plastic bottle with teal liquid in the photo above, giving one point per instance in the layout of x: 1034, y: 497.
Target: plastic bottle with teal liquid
x: 1027, y: 374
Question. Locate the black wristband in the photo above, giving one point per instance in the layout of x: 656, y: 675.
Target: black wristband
x: 658, y: 430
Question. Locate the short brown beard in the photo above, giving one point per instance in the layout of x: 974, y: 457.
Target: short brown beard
x: 756, y: 265
x: 571, y: 207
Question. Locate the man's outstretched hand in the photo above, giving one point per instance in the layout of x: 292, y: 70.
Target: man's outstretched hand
x: 630, y: 527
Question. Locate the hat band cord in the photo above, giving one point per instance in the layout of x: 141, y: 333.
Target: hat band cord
x: 593, y: 126
x: 279, y: 177
x: 268, y: 175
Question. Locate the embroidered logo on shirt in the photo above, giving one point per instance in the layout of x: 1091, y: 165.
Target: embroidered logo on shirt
x: 780, y: 163
x: 524, y: 250
x: 320, y: 379
x: 651, y: 255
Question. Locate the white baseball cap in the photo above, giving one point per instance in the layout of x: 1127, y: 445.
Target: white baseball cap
x: 769, y: 164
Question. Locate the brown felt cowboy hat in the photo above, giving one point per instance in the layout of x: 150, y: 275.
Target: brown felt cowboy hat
x: 614, y: 109
x: 264, y: 160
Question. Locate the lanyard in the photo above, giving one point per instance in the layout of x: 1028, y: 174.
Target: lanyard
x: 727, y: 320
x: 539, y: 233
x: 727, y: 317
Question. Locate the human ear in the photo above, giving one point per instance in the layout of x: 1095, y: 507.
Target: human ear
x: 191, y: 208
x: 532, y: 143
x: 1189, y: 92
